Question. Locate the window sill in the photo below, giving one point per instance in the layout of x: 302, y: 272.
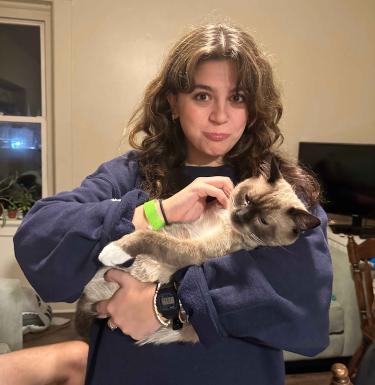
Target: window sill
x: 10, y: 227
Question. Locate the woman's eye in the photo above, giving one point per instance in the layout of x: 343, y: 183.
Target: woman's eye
x: 202, y: 97
x: 262, y: 220
x: 247, y: 200
x: 238, y: 98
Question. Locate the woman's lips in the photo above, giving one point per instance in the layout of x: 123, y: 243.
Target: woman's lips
x: 216, y: 136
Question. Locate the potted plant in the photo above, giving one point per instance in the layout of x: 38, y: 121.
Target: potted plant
x: 23, y: 197
x: 12, y: 210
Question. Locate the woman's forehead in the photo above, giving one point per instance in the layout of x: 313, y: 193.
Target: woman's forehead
x: 213, y: 72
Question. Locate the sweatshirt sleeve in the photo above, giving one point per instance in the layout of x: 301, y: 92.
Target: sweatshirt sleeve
x: 275, y: 296
x: 58, y: 242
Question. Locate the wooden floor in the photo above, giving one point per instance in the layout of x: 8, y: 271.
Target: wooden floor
x: 59, y: 334
x: 53, y: 334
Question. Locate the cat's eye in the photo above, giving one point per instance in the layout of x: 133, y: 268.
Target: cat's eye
x: 247, y: 200
x: 262, y: 220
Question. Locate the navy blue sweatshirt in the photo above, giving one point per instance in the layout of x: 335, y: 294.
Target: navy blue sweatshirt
x: 246, y: 307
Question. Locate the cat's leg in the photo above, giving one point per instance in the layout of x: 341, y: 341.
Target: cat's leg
x: 166, y: 248
x: 147, y: 269
x: 113, y: 255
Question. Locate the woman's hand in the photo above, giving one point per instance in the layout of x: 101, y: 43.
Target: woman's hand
x: 188, y: 204
x: 131, y: 307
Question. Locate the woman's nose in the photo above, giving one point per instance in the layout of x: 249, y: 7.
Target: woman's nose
x: 219, y: 113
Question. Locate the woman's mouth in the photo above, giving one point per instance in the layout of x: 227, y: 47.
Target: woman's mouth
x: 216, y: 136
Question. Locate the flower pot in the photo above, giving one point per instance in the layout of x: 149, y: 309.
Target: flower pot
x: 12, y: 214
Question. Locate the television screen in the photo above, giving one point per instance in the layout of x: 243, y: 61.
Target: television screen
x: 346, y: 173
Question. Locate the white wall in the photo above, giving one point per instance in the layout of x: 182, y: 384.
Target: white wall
x: 323, y: 53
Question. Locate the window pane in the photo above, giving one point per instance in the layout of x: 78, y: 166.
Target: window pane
x: 20, y: 78
x: 20, y: 154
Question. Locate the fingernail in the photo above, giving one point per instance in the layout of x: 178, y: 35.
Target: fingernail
x: 105, y: 276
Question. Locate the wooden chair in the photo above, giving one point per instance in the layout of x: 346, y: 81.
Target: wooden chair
x: 363, y: 280
x: 340, y: 375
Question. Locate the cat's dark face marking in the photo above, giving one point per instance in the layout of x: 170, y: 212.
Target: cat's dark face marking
x: 268, y: 210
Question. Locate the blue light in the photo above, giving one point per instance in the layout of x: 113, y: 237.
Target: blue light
x: 16, y: 144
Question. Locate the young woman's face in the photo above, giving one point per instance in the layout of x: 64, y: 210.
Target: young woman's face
x: 213, y: 116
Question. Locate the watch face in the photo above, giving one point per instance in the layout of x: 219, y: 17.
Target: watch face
x: 167, y: 301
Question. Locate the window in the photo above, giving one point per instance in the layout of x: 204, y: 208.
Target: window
x: 24, y: 124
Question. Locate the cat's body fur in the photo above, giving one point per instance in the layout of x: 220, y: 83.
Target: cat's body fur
x: 263, y: 212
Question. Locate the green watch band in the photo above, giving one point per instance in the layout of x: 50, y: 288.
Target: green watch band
x: 152, y: 215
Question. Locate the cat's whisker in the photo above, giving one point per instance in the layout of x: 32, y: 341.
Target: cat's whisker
x: 273, y: 218
x: 257, y: 239
x: 281, y: 247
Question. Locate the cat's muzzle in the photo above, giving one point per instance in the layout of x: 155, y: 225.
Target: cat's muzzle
x: 243, y: 215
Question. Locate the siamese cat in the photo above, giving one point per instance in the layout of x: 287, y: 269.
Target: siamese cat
x: 263, y: 211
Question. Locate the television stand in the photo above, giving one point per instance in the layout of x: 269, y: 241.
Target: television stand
x: 349, y: 229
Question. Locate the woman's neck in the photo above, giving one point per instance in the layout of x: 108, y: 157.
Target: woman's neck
x: 213, y: 164
x: 205, y: 163
x: 202, y: 160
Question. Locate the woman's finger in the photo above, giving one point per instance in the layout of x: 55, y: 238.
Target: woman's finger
x: 102, y: 308
x: 222, y: 182
x: 207, y: 190
x: 115, y: 275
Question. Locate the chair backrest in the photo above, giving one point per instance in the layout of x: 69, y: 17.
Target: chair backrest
x: 340, y: 375
x: 359, y: 254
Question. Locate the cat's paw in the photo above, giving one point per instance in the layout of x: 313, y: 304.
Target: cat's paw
x: 113, y: 255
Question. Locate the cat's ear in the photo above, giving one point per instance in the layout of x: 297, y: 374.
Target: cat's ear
x: 303, y: 219
x: 275, y: 173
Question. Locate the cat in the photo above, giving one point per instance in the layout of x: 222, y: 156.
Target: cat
x: 264, y: 211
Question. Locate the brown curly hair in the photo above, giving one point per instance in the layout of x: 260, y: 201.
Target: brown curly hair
x: 162, y: 150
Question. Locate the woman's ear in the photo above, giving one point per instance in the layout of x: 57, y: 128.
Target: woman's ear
x: 172, y: 100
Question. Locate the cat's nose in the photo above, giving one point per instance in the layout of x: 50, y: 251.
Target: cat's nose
x: 243, y: 215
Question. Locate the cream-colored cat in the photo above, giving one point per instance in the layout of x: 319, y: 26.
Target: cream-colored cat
x: 264, y: 211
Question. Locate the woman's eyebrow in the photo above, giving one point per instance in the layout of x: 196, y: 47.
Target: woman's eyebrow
x: 201, y: 86
x: 208, y: 88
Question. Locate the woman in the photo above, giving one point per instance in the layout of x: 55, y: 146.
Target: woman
x: 208, y: 119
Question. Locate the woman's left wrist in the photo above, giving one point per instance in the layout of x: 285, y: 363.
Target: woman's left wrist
x: 167, y: 306
x: 167, y: 211
x: 163, y: 212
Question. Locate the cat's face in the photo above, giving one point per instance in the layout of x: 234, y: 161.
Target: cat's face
x: 267, y: 210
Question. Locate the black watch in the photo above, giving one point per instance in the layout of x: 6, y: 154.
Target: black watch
x: 167, y: 302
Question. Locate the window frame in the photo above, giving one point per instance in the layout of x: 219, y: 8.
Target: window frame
x: 37, y: 15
